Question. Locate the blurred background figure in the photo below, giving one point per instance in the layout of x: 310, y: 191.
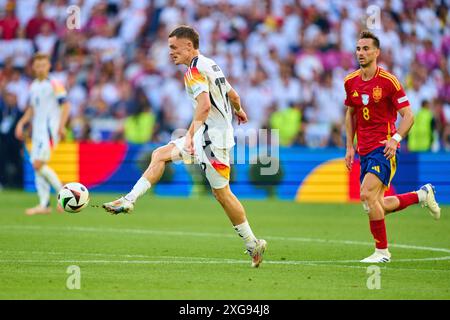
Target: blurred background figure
x: 421, y: 135
x: 11, y: 149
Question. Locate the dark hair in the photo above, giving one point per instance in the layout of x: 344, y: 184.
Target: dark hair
x: 369, y: 35
x: 186, y: 32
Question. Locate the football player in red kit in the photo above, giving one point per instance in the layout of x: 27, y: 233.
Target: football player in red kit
x: 373, y: 99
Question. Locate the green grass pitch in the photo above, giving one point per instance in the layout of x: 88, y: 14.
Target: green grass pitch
x: 172, y: 248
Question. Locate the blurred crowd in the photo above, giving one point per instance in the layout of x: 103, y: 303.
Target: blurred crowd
x: 286, y: 58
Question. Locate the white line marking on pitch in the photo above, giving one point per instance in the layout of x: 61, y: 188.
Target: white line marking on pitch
x: 191, y: 260
x: 201, y: 258
x: 205, y: 234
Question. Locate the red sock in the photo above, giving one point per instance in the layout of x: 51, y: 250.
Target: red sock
x: 378, y: 229
x: 407, y: 199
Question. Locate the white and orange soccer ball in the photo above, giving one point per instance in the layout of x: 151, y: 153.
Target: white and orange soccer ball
x: 73, y: 197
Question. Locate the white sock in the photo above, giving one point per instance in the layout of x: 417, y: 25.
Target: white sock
x: 246, y: 233
x: 141, y: 186
x: 383, y: 251
x: 51, y: 177
x: 43, y: 190
x: 422, y: 194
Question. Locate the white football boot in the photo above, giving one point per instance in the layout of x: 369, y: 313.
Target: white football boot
x: 379, y: 256
x: 430, y: 201
x: 257, y: 253
x: 118, y: 206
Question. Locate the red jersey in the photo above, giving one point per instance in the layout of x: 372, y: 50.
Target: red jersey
x: 376, y: 102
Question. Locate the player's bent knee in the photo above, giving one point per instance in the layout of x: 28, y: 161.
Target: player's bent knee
x: 161, y: 154
x: 221, y: 194
x: 166, y: 153
x: 366, y: 207
x: 367, y: 195
x: 37, y: 165
x: 364, y: 196
x: 156, y: 154
x: 368, y: 199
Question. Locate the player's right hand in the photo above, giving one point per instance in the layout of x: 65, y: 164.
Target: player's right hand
x: 242, y: 117
x: 19, y: 132
x: 189, y: 144
x: 349, y: 157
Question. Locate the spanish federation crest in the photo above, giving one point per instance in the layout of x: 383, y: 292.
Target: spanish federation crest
x: 377, y: 93
x: 365, y: 99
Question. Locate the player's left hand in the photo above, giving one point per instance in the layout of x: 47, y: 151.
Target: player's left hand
x: 390, y: 148
x: 242, y: 116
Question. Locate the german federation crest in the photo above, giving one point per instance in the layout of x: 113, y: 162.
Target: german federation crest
x: 365, y: 99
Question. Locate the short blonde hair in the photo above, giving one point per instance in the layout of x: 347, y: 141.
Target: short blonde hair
x: 41, y: 56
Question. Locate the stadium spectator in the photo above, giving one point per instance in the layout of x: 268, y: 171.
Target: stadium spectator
x: 429, y: 56
x: 131, y: 20
x: 76, y: 95
x: 11, y: 168
x: 446, y: 126
x: 98, y: 20
x: 18, y: 84
x: 288, y: 122
x: 9, y: 24
x: 46, y: 39
x: 327, y: 100
x: 21, y: 50
x: 308, y: 65
x: 336, y: 138
x: 57, y: 11
x: 34, y: 25
x: 287, y: 88
x: 258, y: 98
x: 139, y: 127
x: 420, y: 136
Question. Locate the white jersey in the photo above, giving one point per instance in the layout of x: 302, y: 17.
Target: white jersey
x: 45, y: 98
x: 204, y: 75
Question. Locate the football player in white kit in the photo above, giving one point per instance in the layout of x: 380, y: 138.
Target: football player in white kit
x: 207, y: 142
x: 48, y: 112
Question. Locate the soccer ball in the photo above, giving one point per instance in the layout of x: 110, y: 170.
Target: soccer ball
x: 73, y: 197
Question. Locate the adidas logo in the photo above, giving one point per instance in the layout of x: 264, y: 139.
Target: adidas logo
x: 376, y: 168
x: 355, y: 94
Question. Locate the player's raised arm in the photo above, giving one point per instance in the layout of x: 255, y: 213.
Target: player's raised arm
x: 235, y: 101
x: 350, y: 135
x: 27, y: 116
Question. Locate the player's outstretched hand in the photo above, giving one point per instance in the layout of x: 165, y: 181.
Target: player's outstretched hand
x: 390, y: 148
x: 242, y: 117
x: 349, y: 156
